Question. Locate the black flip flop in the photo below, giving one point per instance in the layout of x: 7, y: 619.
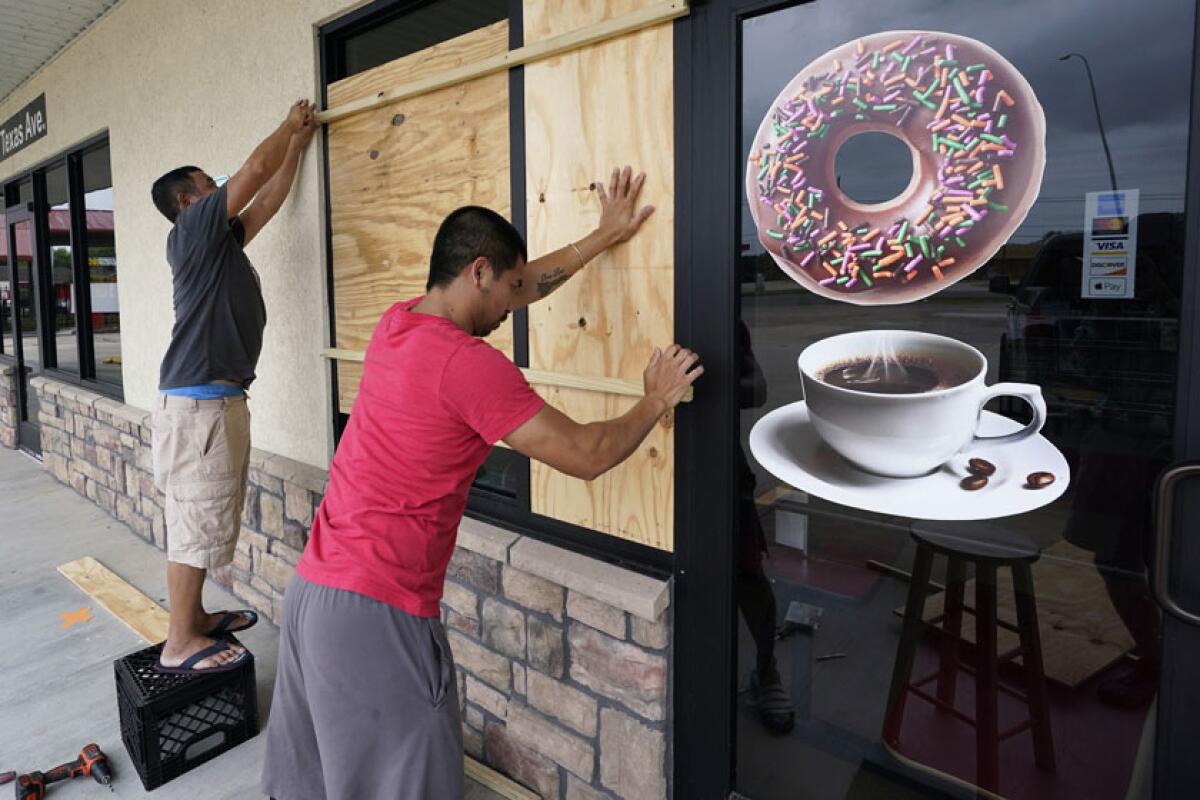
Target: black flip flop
x: 222, y: 628
x: 188, y: 667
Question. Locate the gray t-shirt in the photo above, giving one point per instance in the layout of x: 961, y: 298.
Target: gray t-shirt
x: 219, y: 310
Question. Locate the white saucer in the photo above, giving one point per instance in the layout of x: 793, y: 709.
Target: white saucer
x: 785, y: 443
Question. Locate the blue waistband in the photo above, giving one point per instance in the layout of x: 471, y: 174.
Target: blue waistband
x: 205, y: 391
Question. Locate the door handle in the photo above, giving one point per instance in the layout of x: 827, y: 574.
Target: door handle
x: 1165, y: 496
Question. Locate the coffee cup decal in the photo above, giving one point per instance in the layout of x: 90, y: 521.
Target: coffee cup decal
x: 903, y: 403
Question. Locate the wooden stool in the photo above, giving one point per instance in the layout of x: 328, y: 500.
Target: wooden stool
x: 987, y: 555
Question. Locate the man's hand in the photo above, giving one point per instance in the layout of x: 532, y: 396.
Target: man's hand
x: 265, y: 162
x: 588, y: 451
x: 620, y: 216
x: 269, y: 199
x: 304, y: 136
x: 670, y: 373
x: 620, y: 219
x: 300, y: 115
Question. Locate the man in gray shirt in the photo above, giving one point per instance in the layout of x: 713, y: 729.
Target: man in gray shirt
x: 201, y: 421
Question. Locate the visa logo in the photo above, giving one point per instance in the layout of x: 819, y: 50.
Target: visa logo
x: 1110, y: 245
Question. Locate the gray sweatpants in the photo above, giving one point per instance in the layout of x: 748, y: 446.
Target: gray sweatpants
x: 366, y: 702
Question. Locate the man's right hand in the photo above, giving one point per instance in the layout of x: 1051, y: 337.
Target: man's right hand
x: 300, y: 115
x: 304, y: 136
x: 670, y: 373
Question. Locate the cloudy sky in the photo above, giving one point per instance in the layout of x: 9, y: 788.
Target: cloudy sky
x: 1140, y: 56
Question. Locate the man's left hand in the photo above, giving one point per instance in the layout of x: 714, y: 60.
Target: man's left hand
x: 620, y: 216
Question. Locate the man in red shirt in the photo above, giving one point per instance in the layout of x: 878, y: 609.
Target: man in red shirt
x: 366, y: 699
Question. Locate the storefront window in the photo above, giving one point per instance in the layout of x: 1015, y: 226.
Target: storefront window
x: 6, y: 293
x: 822, y: 587
x: 61, y: 307
x: 102, y: 265
x: 62, y: 269
x: 415, y: 30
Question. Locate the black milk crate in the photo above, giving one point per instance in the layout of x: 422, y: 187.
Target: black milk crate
x: 172, y: 723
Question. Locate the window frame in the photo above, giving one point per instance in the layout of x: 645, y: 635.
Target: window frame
x: 72, y: 158
x: 512, y: 513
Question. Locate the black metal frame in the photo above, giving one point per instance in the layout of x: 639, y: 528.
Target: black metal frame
x: 72, y: 157
x: 28, y: 436
x: 1178, y: 733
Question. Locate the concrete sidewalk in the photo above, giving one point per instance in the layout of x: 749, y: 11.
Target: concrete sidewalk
x: 56, y: 685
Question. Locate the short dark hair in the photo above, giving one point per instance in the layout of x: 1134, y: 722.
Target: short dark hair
x: 467, y: 234
x: 166, y: 190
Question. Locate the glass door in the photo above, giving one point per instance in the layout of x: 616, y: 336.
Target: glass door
x: 1057, y: 679
x: 26, y: 340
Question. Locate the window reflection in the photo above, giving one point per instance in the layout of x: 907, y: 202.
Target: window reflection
x: 62, y: 269
x: 26, y: 311
x: 102, y: 265
x: 6, y: 293
x: 1107, y: 369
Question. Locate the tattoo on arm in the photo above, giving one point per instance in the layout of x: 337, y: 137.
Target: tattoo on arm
x: 551, y: 281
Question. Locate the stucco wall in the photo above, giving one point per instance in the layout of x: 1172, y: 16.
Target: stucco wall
x: 176, y: 82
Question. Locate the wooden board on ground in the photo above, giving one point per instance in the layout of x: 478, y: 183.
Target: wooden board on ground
x: 586, y: 111
x: 137, y: 611
x: 1080, y: 630
x: 494, y: 781
x: 391, y: 185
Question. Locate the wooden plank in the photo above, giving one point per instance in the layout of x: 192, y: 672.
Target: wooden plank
x: 349, y: 374
x: 586, y: 111
x: 536, y: 377
x: 391, y: 185
x: 137, y: 611
x: 639, y: 19
x: 489, y: 778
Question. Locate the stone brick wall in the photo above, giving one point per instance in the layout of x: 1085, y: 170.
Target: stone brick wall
x: 564, y: 666
x: 8, y: 406
x: 563, y: 662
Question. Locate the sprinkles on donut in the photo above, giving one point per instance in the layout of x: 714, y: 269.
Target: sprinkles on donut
x: 976, y: 132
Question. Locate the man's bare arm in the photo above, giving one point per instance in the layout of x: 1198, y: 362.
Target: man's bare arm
x: 269, y: 200
x: 620, y: 219
x: 265, y: 161
x: 588, y: 451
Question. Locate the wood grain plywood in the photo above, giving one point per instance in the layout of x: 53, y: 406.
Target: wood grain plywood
x: 392, y: 185
x: 586, y: 111
x: 546, y: 18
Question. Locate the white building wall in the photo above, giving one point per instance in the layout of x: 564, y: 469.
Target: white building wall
x: 178, y: 82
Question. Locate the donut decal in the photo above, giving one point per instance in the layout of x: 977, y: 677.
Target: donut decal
x: 977, y: 136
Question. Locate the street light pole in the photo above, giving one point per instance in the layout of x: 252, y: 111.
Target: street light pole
x: 1099, y: 123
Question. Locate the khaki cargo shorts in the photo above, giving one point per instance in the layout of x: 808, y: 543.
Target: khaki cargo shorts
x: 201, y: 460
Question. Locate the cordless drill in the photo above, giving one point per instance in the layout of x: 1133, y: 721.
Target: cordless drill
x: 91, y: 762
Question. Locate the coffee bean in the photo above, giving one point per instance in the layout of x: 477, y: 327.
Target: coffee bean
x: 974, y: 482
x: 979, y: 466
x: 1039, y: 480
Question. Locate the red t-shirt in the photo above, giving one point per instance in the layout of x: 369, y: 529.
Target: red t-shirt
x: 432, y: 401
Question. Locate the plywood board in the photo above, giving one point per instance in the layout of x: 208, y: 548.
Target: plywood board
x: 1080, y: 630
x: 137, y: 611
x: 391, y: 184
x: 643, y: 17
x: 606, y: 104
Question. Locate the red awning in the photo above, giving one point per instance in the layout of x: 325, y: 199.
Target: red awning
x: 60, y: 222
